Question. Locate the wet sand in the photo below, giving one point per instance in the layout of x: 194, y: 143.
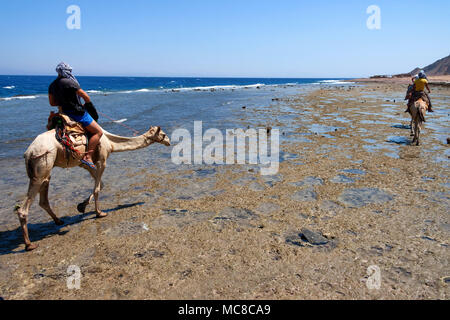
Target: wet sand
x: 351, y: 192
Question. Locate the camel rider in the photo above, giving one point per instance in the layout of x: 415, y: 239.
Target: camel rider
x: 65, y: 92
x: 419, y: 91
x: 410, y: 90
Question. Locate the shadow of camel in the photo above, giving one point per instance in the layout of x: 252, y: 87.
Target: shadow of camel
x: 11, y: 240
x: 401, y: 126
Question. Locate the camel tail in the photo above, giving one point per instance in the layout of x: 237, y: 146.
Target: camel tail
x: 421, y: 107
x: 422, y: 115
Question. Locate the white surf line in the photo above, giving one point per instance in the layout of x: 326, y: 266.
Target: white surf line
x: 120, y: 121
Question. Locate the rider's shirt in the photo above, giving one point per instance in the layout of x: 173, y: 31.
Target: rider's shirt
x: 420, y: 84
x: 64, y: 90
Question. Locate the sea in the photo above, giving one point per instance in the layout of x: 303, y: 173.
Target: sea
x: 130, y: 104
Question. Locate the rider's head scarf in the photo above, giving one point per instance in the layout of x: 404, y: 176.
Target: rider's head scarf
x: 422, y: 75
x: 65, y: 71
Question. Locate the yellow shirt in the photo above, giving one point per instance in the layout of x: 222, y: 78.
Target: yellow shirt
x: 420, y: 84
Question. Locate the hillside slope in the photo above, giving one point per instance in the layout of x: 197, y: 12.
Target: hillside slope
x: 439, y: 68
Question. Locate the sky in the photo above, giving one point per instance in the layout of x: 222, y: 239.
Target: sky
x: 215, y: 38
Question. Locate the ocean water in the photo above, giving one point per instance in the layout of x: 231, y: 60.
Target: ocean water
x: 29, y: 87
x: 137, y: 102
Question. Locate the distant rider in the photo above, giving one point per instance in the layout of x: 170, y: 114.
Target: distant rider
x: 65, y: 92
x: 420, y: 83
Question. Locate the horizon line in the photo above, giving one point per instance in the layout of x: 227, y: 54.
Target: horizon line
x: 201, y: 77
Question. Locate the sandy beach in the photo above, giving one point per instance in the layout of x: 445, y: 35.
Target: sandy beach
x: 351, y: 193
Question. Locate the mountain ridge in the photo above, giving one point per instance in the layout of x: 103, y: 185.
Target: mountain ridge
x: 440, y: 67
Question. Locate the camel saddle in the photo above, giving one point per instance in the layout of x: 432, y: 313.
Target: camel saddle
x: 69, y: 133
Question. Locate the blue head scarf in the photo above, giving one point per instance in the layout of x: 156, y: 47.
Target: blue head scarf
x: 422, y: 75
x: 65, y: 71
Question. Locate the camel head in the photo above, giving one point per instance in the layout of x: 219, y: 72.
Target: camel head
x: 159, y: 136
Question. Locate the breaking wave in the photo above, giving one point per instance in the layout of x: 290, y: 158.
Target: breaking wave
x: 18, y: 98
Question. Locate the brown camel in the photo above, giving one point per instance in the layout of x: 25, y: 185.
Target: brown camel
x: 46, y: 152
x: 418, y: 110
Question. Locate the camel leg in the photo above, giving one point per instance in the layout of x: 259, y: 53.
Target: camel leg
x: 418, y: 133
x: 81, y: 207
x: 97, y: 188
x: 22, y: 212
x: 43, y: 202
x: 411, y: 126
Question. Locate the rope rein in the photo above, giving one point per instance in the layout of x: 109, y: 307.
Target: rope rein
x: 135, y: 132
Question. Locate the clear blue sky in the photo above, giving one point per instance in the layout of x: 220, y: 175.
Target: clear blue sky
x: 245, y: 38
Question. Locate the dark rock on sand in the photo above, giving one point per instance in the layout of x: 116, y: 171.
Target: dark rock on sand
x: 313, y: 238
x: 309, y: 237
x: 294, y: 239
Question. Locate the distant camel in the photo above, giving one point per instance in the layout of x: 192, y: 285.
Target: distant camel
x: 46, y: 152
x: 418, y: 110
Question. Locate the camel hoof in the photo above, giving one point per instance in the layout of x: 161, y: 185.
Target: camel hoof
x: 101, y: 215
x: 31, y: 247
x: 59, y: 222
x: 81, y: 207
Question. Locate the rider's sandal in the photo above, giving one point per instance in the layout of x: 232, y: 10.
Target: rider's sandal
x: 89, y: 164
